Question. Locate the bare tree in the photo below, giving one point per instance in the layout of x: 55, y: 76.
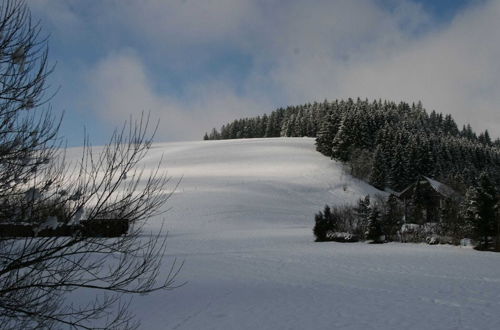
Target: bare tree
x: 40, y: 275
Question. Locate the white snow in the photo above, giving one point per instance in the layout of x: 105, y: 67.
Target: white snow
x: 441, y: 187
x: 242, y: 221
x: 409, y: 227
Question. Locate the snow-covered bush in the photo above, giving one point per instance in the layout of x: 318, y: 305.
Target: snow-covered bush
x: 428, y: 232
x: 433, y: 240
x: 467, y: 242
x: 412, y: 232
x: 342, y: 237
x: 339, y: 224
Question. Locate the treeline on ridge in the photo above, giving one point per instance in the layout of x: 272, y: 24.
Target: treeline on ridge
x: 386, y: 143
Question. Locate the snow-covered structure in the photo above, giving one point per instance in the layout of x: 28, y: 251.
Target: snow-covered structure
x: 424, y: 198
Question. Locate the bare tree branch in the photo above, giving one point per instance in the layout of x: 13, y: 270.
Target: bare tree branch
x: 38, y: 275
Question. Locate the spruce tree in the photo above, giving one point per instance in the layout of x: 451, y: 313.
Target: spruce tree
x: 378, y: 175
x: 397, y: 172
x: 320, y: 227
x: 374, y: 230
x: 451, y: 221
x: 342, y: 143
x: 392, y: 217
x: 486, y: 226
x: 327, y: 213
x: 326, y: 134
x: 325, y: 223
x: 470, y: 210
x: 362, y: 211
x: 417, y: 205
x: 480, y: 207
x: 271, y: 126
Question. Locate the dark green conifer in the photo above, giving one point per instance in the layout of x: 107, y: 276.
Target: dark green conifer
x: 374, y: 230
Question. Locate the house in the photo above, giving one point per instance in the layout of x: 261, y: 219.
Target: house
x: 424, y: 199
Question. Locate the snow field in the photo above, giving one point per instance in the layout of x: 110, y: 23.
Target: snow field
x: 242, y: 219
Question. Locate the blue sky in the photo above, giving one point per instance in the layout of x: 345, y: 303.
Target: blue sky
x: 197, y: 64
x: 444, y: 9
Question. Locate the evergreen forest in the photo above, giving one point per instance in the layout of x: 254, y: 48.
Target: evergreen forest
x: 385, y: 143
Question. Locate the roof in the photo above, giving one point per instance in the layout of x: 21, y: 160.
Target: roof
x: 437, y: 186
x: 442, y: 188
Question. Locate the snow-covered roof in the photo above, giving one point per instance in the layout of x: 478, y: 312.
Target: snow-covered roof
x: 439, y: 187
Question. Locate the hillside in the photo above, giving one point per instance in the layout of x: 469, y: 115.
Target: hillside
x: 254, y: 183
x: 241, y: 220
x: 385, y: 143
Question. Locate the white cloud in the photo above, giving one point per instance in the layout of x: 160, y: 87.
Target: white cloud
x: 119, y: 87
x: 455, y: 70
x: 300, y: 51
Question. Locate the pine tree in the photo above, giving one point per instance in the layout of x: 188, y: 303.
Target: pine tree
x: 374, y: 230
x: 470, y: 209
x: 327, y: 213
x: 271, y: 126
x: 214, y: 135
x: 342, y: 143
x: 488, y: 199
x: 480, y: 207
x: 451, y: 221
x: 449, y: 126
x: 298, y: 125
x: 263, y: 126
x: 362, y: 211
x: 320, y: 227
x: 412, y: 159
x: 392, y: 217
x: 484, y: 138
x: 397, y: 173
x: 325, y: 223
x: 497, y: 216
x: 378, y: 176
x: 418, y: 205
x: 326, y: 134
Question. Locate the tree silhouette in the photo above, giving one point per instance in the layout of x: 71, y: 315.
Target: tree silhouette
x: 40, y: 188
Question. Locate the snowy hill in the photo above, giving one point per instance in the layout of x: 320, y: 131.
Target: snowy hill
x: 242, y: 219
x: 253, y: 184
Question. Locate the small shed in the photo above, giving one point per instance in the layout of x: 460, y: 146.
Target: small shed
x: 423, y: 199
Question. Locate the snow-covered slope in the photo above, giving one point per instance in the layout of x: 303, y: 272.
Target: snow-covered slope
x: 252, y: 184
x: 242, y: 219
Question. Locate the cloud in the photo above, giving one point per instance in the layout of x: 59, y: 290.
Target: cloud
x: 196, y: 64
x: 455, y: 70
x: 118, y: 87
